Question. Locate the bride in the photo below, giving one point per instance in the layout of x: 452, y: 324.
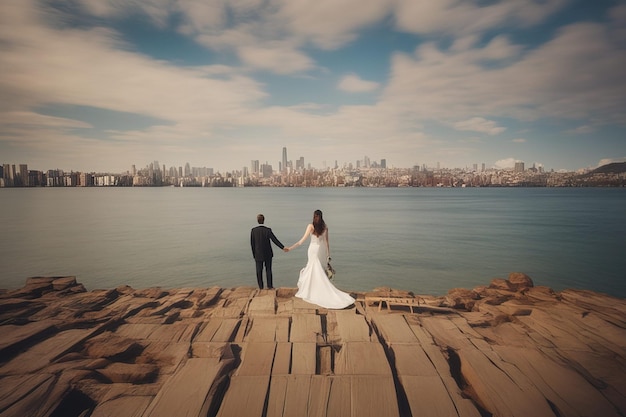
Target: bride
x: 313, y: 284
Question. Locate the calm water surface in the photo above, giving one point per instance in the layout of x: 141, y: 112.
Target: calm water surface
x: 420, y: 239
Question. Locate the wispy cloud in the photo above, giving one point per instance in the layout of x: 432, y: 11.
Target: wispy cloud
x: 582, y: 130
x: 479, y: 124
x: 352, y: 83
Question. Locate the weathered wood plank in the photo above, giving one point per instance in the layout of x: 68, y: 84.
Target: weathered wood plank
x: 262, y: 329
x: 187, y: 392
x: 325, y: 360
x: 297, y: 395
x: 305, y: 328
x: 339, y: 397
x: 226, y: 331
x: 362, y: 358
x: 432, y: 350
x: 283, y: 325
x: 430, y: 390
x: 282, y: 359
x: 176, y: 332
x: 373, y: 396
x: 351, y: 327
x: 169, y: 355
x: 257, y: 359
x: 318, y: 396
x: 245, y: 397
x: 268, y: 329
x: 410, y: 359
x: 277, y: 395
x: 262, y: 305
x: 303, y: 358
x: 394, y: 328
x: 300, y: 306
x: 444, y: 331
x: 208, y: 329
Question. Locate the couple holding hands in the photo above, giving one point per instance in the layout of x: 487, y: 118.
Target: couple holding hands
x: 313, y: 284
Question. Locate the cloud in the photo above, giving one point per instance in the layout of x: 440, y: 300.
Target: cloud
x: 278, y: 59
x: 607, y: 161
x: 464, y: 17
x: 519, y: 140
x: 447, y: 84
x: 506, y: 163
x: 352, y: 83
x: 582, y: 130
x: 479, y: 124
x: 329, y: 23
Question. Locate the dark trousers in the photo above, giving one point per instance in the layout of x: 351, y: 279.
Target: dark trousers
x: 268, y: 272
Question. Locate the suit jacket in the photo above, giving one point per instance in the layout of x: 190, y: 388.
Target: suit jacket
x: 260, y: 237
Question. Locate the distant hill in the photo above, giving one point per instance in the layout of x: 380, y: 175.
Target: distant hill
x: 613, y: 168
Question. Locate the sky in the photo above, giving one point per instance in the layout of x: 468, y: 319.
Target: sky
x: 101, y: 85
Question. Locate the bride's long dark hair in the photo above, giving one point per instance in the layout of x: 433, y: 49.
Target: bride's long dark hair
x: 319, y: 226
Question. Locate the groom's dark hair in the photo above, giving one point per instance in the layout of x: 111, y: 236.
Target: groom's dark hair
x: 260, y: 218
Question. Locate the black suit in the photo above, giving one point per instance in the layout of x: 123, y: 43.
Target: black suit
x: 260, y: 237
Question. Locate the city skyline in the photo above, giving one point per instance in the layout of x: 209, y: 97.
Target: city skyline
x: 280, y: 165
x: 104, y: 84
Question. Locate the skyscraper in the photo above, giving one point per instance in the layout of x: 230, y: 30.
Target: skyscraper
x: 284, y: 166
x: 23, y: 175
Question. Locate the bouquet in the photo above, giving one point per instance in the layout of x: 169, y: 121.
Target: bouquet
x: 330, y: 271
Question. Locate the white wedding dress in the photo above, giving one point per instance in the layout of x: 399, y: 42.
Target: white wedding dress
x: 313, y: 284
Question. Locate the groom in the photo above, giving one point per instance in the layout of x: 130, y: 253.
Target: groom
x: 260, y: 237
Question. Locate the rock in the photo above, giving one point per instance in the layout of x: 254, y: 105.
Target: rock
x: 111, y: 346
x: 39, y: 280
x: 34, y: 289
x: 63, y: 283
x: 461, y: 298
x: 500, y: 284
x: 520, y: 351
x: 132, y: 373
x: 519, y: 281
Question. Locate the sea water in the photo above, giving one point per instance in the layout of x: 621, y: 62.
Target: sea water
x: 425, y: 240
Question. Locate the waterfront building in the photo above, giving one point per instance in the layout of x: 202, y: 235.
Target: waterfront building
x: 266, y: 170
x: 23, y: 175
x: 254, y: 166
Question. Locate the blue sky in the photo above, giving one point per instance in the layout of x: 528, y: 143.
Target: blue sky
x: 100, y: 85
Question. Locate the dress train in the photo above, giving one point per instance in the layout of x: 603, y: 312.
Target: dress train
x: 313, y: 284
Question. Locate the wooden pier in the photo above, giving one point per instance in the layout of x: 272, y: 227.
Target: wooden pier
x: 248, y: 352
